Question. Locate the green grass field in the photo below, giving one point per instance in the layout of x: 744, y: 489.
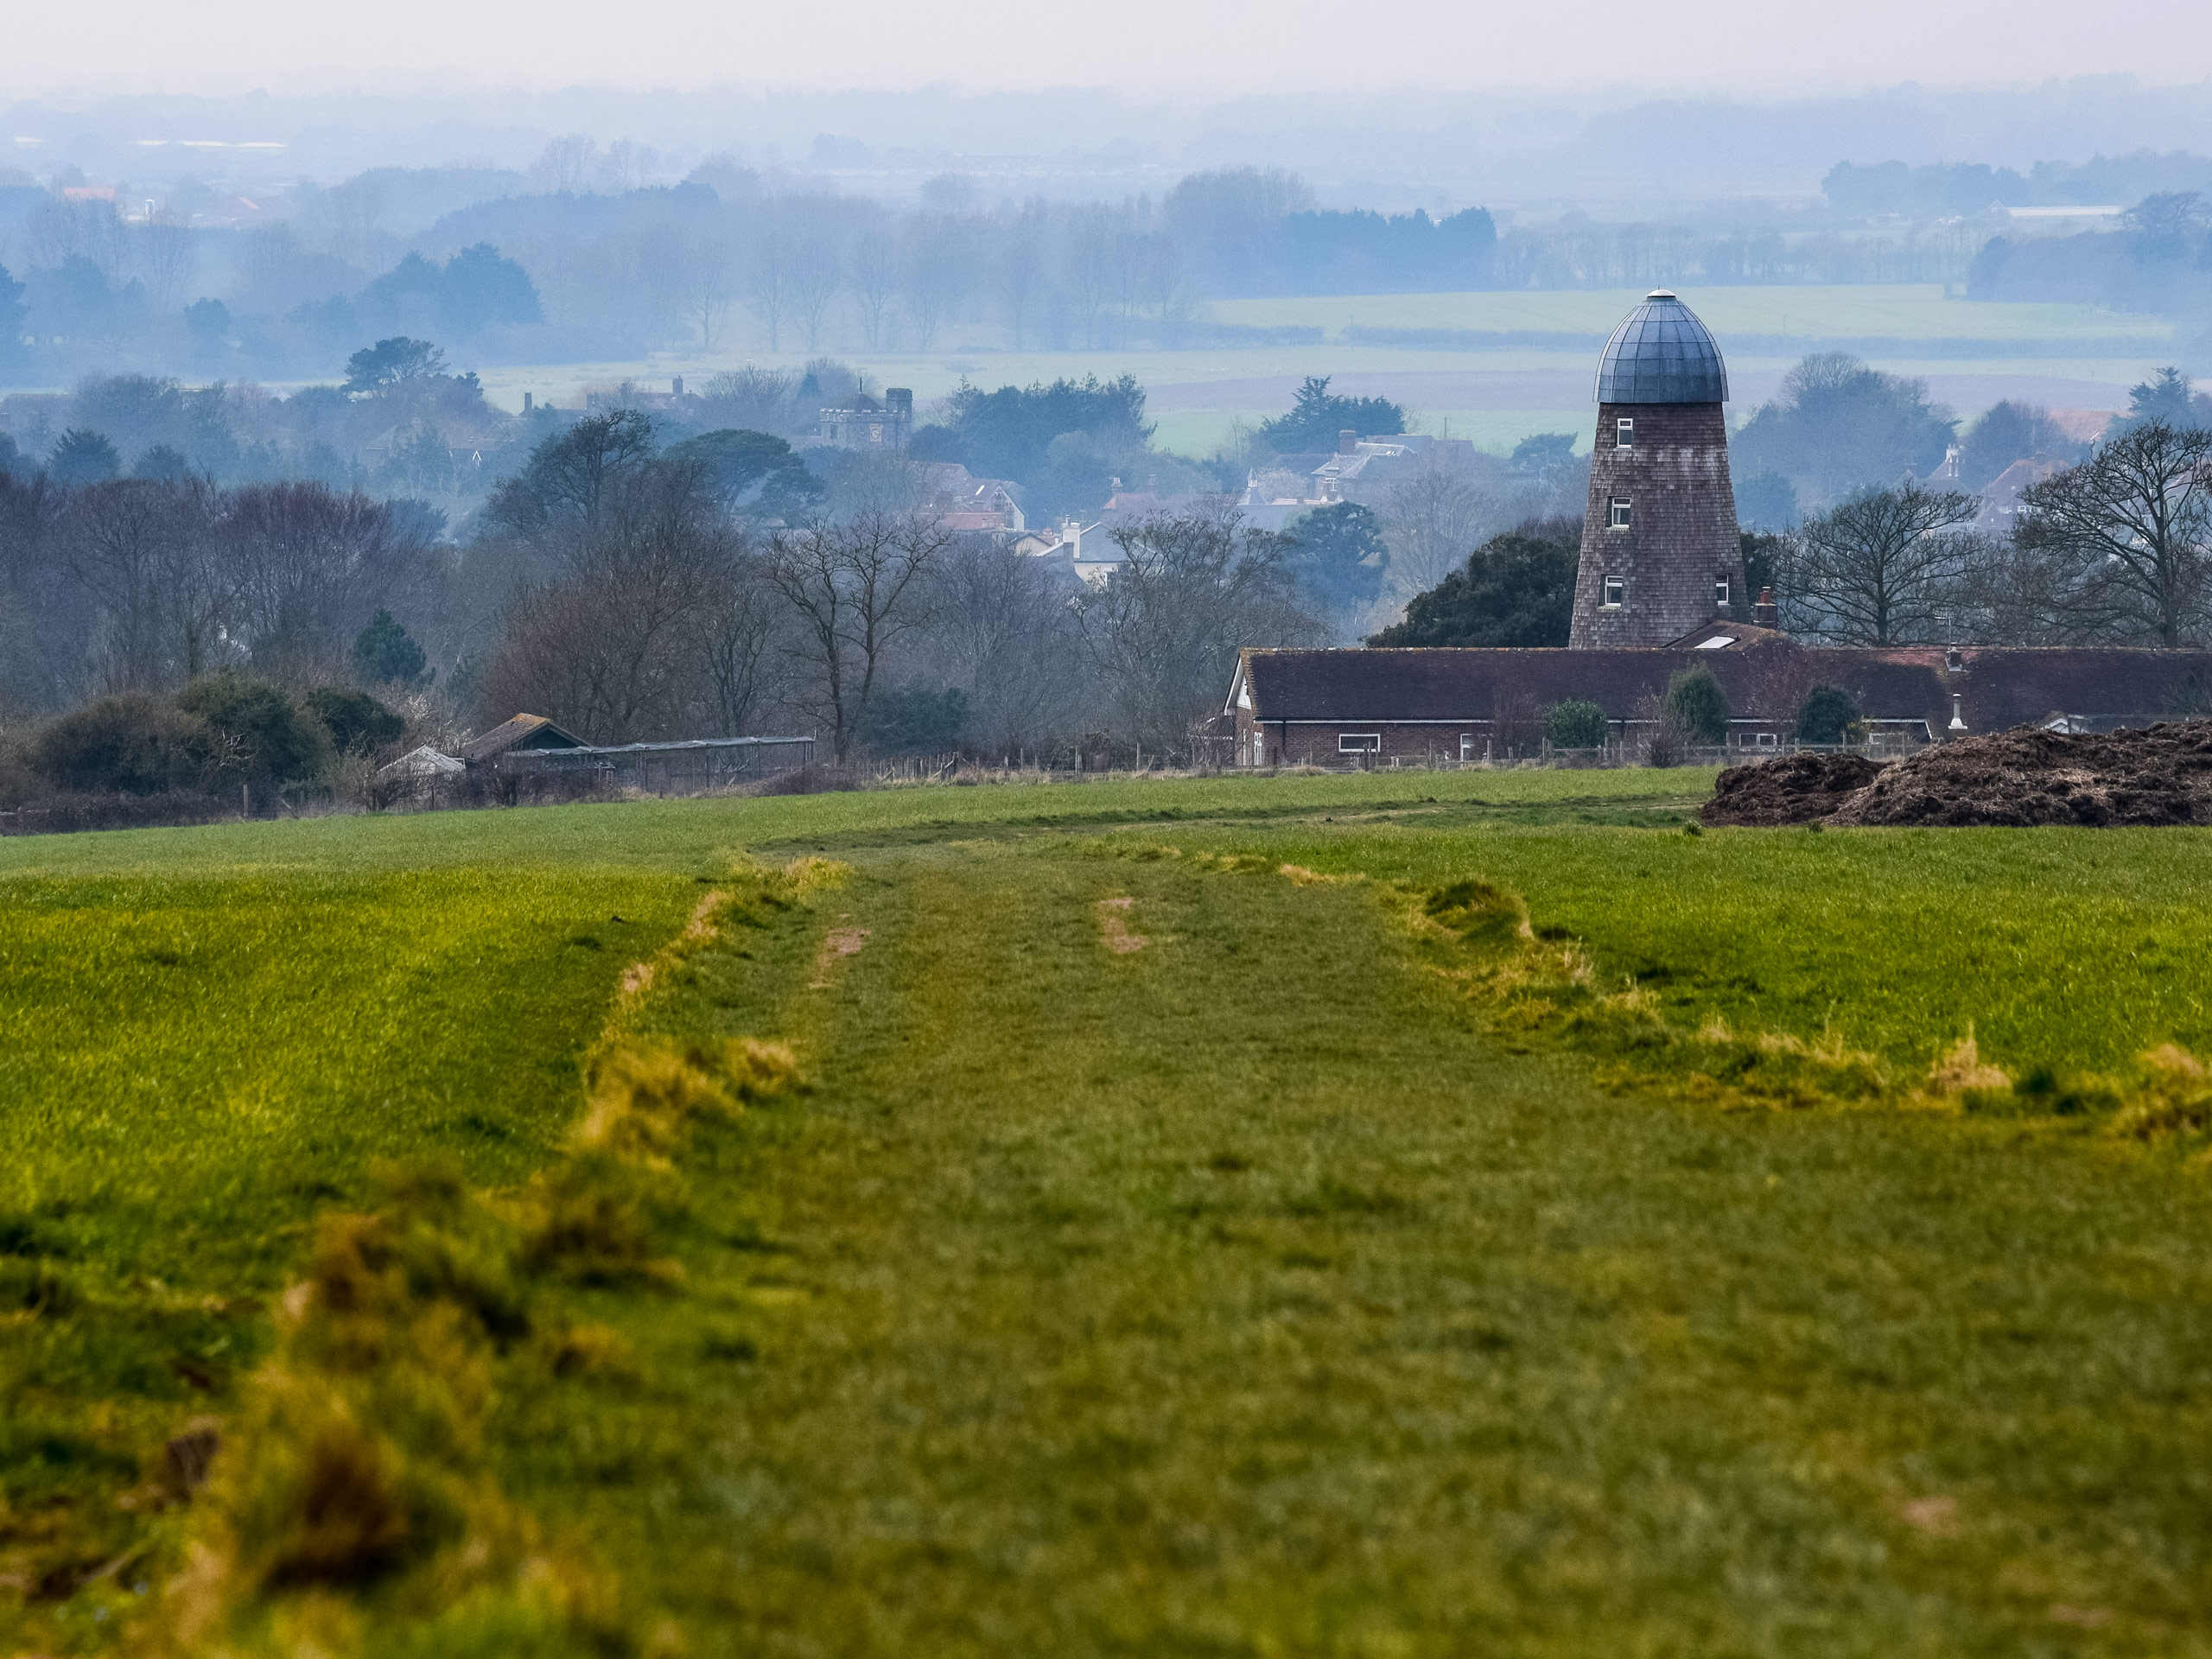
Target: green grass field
x: 1251, y: 1289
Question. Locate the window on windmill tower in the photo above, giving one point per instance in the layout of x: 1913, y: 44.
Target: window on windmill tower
x: 1625, y: 432
x: 1621, y: 514
x: 1721, y: 591
x: 1615, y: 589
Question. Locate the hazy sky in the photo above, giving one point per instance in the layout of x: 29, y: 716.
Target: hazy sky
x: 1214, y: 50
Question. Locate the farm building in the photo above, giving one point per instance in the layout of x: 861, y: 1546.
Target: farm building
x: 1659, y: 587
x: 520, y: 734
x: 1326, y: 708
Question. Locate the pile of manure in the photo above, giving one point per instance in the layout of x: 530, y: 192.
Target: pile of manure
x: 2022, y: 778
x: 1795, y: 789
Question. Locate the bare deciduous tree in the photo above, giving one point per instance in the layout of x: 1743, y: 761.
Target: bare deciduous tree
x: 709, y: 267
x: 1004, y: 633
x: 768, y: 273
x: 2124, y: 535
x: 1882, y: 568
x: 308, y: 567
x: 1018, y: 284
x: 147, y: 551
x: 936, y: 276
x: 739, y: 636
x: 1431, y: 522
x: 816, y: 272
x: 854, y: 588
x: 165, y: 257
x: 874, y: 267
x: 565, y: 164
x: 1164, y: 632
x: 612, y: 645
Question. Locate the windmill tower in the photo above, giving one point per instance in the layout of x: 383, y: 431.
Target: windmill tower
x: 1660, y: 554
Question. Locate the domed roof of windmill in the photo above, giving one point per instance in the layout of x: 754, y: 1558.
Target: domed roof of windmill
x: 1661, y: 353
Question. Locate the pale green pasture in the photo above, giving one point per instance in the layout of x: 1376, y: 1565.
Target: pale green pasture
x: 1906, y: 310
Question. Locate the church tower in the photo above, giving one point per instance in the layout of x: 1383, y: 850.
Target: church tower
x: 1660, y: 554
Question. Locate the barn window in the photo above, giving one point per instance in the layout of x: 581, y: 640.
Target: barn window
x: 1359, y: 742
x: 1625, y: 432
x: 1615, y: 589
x: 1466, y: 746
x: 1621, y: 515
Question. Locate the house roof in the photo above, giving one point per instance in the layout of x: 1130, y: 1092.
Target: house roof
x: 1721, y: 634
x: 523, y: 732
x: 1767, y: 678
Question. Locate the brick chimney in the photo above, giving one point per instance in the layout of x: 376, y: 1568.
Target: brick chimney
x: 1347, y: 441
x: 1765, y: 613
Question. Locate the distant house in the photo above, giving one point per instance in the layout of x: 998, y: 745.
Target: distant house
x: 1329, y: 706
x: 1363, y: 468
x: 523, y: 732
x: 1092, y: 557
x: 2000, y: 497
x: 972, y: 505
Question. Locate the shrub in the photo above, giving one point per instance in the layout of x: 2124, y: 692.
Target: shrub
x: 1696, y: 706
x: 128, y: 744
x: 253, y: 731
x: 1826, y: 715
x: 19, y: 779
x: 357, y: 723
x: 1666, y: 746
x: 1575, y: 724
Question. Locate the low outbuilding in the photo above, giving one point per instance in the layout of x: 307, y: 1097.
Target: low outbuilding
x: 1370, y: 707
x: 424, y: 763
x: 523, y: 732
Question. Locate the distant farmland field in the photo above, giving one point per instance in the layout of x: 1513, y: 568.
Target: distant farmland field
x: 1498, y: 397
x: 1203, y: 1220
x: 1906, y: 310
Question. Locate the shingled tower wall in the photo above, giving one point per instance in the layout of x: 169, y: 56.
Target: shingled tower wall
x: 1659, y: 538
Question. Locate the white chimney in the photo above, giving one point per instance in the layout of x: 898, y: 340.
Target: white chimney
x: 1958, y: 718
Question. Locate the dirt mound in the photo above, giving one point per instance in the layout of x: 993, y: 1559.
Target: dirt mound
x: 1792, y: 789
x: 2029, y: 776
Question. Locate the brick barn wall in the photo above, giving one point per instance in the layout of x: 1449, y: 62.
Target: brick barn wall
x: 1318, y: 745
x: 1683, y: 531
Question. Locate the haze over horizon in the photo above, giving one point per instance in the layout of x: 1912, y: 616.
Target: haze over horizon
x: 225, y: 47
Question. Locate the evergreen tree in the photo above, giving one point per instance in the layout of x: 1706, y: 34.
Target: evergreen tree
x: 384, y: 653
x: 1317, y: 415
x: 1696, y: 706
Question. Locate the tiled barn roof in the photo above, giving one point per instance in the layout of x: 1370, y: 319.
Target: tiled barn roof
x: 1766, y: 678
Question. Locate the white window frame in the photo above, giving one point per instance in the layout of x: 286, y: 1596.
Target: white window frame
x: 1622, y: 515
x: 1763, y: 741
x: 1466, y: 746
x: 1359, y: 742
x: 1723, y: 591
x: 1625, y: 432
x: 1613, y: 592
